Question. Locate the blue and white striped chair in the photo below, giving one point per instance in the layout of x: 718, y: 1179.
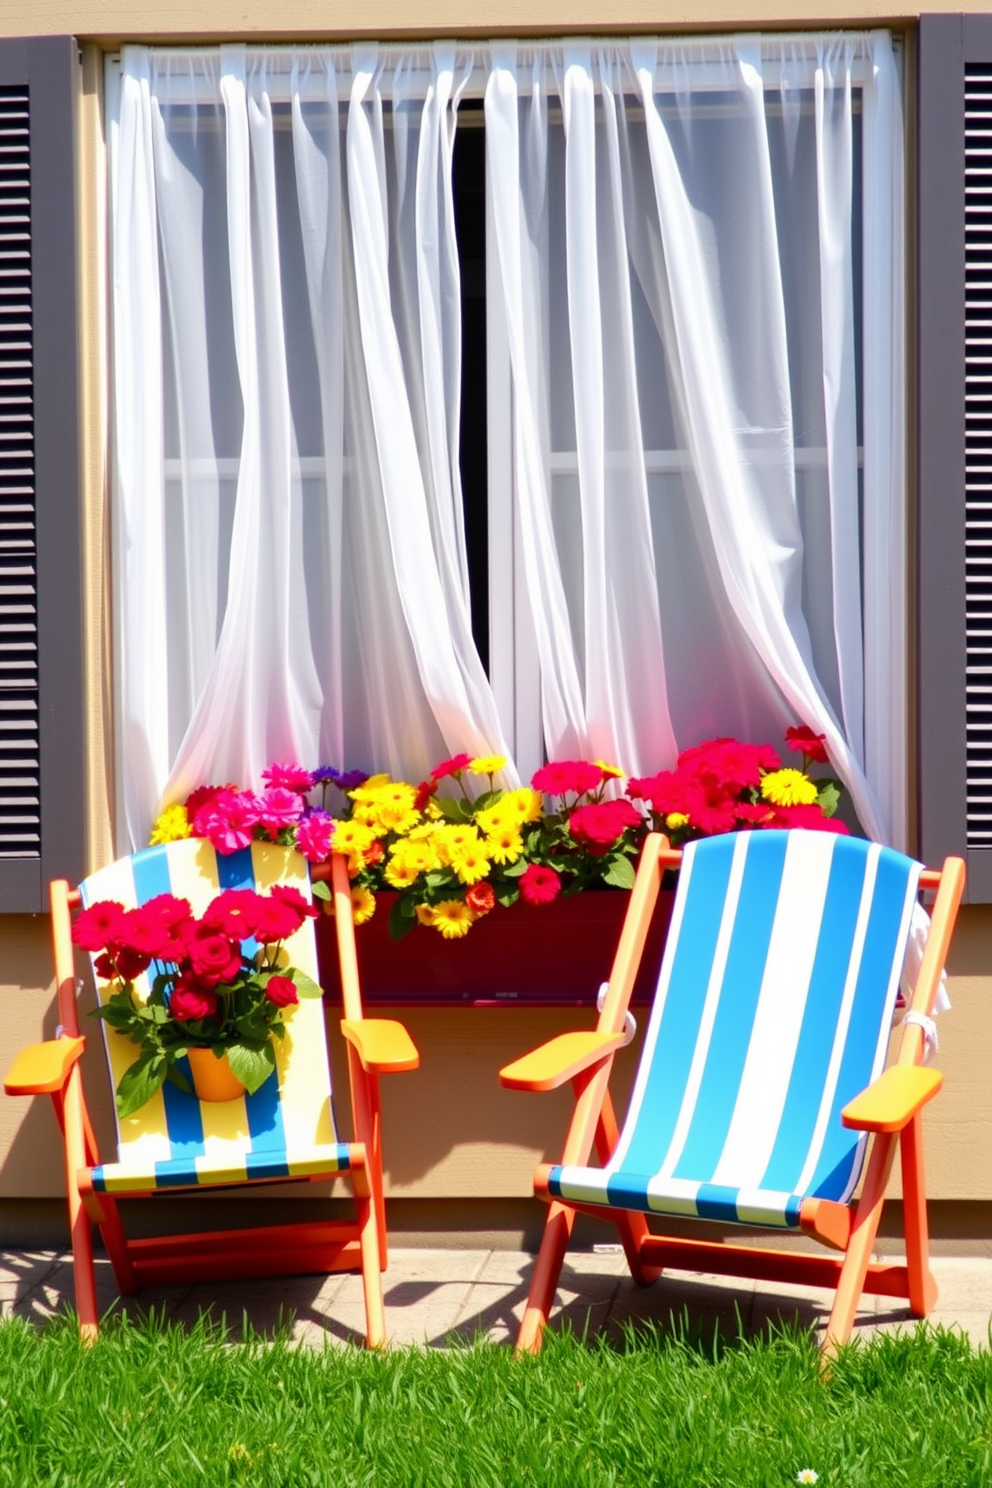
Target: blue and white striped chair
x: 761, y: 1071
x: 285, y: 1131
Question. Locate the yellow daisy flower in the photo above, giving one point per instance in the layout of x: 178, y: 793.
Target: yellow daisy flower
x: 425, y: 914
x: 470, y: 863
x: 676, y: 819
x: 172, y: 825
x: 788, y: 788
x: 453, y: 918
x: 400, y: 873
x: 524, y: 805
x: 504, y: 845
x: 362, y: 905
x: 613, y: 770
x: 494, y: 819
x: 488, y: 764
x: 352, y: 837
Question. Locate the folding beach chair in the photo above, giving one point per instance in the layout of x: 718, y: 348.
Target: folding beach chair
x: 761, y: 1071
x: 284, y: 1131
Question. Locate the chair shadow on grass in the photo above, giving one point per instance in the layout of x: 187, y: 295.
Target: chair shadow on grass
x: 602, y: 1307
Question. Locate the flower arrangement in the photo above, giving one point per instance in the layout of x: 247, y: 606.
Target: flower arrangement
x: 218, y: 982
x: 451, y: 856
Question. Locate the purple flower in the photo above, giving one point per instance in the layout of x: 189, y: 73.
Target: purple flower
x: 352, y: 779
x: 325, y: 773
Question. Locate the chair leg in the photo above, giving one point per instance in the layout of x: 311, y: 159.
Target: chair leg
x: 922, y: 1287
x: 859, y: 1250
x: 368, y: 1236
x: 80, y: 1228
x: 544, y: 1282
x: 633, y: 1227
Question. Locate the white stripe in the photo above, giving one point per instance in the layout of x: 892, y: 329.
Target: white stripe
x: 660, y: 997
x: 710, y: 1006
x: 674, y: 1196
x: 843, y: 1019
x: 778, y: 1017
x: 761, y: 1206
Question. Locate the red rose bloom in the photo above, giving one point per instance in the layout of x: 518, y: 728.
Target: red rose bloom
x: 453, y: 766
x: 373, y: 854
x: 212, y: 955
x: 603, y: 823
x: 189, y: 1002
x: 281, y: 991
x: 99, y: 926
x: 480, y: 898
x: 539, y: 885
x: 804, y: 741
x: 567, y: 777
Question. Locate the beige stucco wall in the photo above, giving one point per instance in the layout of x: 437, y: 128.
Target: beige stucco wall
x: 111, y: 20
x: 449, y: 1129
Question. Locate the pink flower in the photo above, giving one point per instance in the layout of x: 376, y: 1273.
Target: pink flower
x: 539, y: 885
x: 279, y: 809
x: 282, y: 991
x: 453, y: 766
x: 811, y: 817
x: 277, y: 920
x: 603, y: 823
x: 289, y: 777
x: 294, y: 900
x: 567, y: 777
x: 212, y: 955
x: 804, y: 741
x: 314, y: 835
x: 99, y: 926
x: 228, y: 821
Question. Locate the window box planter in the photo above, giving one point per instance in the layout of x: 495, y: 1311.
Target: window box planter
x: 539, y: 956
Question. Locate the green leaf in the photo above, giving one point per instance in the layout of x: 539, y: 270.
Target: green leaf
x: 507, y: 894
x: 305, y: 986
x: 402, y: 918
x: 620, y: 874
x: 320, y: 889
x: 828, y: 796
x: 252, y: 1066
x: 139, y: 1083
x: 514, y: 870
x: 454, y: 809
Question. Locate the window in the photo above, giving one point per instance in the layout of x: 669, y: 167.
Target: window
x: 692, y: 345
x: 41, y: 712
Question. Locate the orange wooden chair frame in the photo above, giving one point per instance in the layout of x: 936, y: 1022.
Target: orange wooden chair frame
x: 375, y: 1047
x: 890, y: 1108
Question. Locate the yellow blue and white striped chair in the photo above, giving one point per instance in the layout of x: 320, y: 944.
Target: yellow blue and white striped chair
x: 761, y: 1073
x: 284, y: 1131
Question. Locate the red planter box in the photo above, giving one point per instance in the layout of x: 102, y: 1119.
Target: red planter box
x: 546, y: 955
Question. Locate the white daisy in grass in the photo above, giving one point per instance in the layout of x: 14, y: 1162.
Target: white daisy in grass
x: 807, y: 1475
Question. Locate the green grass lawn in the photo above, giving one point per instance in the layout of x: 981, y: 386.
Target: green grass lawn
x: 153, y: 1405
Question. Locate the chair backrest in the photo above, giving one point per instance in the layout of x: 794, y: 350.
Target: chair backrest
x: 292, y: 1112
x: 773, y: 1009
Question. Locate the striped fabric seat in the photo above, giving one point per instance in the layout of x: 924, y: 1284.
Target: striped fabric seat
x: 286, y: 1129
x: 773, y: 1010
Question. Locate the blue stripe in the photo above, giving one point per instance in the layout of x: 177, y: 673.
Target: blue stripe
x: 628, y: 1190
x: 717, y: 1201
x: 264, y: 1108
x: 840, y: 1149
x: 823, y: 1002
x: 691, y: 960
x: 738, y: 1003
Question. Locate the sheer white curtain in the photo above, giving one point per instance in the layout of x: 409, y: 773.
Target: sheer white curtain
x: 698, y: 360
x: 292, y: 581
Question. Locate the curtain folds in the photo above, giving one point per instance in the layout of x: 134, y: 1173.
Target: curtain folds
x: 699, y: 255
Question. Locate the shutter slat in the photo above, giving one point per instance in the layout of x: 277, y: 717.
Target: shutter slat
x: 20, y: 755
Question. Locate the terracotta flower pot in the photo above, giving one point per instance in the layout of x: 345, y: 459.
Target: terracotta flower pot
x: 549, y: 954
x: 213, y: 1079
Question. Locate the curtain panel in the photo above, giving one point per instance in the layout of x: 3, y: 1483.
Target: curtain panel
x: 696, y: 271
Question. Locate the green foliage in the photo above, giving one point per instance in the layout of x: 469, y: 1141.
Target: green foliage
x: 152, y: 1405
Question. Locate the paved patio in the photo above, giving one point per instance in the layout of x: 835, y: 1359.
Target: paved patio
x: 433, y: 1296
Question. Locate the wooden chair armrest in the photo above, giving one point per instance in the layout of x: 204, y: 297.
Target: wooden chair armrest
x: 560, y: 1060
x: 891, y: 1101
x: 383, y: 1046
x: 41, y: 1069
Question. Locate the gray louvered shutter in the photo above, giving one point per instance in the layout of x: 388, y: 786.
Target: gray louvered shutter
x: 41, y: 764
